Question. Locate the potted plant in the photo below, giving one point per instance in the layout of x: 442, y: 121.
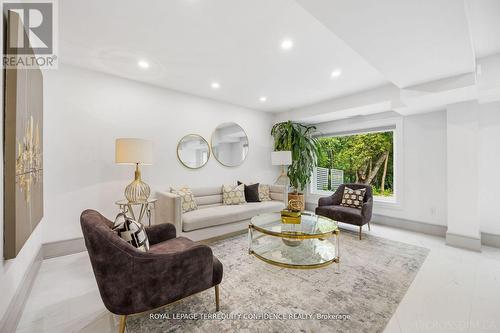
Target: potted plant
x: 305, y: 149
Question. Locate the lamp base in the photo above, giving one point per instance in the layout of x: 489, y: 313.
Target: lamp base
x: 137, y: 191
x: 283, y: 178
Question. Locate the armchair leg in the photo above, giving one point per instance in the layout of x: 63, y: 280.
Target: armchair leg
x: 217, y: 299
x: 360, y: 231
x: 123, y: 322
x: 369, y: 229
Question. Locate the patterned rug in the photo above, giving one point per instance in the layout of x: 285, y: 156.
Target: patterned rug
x: 257, y: 297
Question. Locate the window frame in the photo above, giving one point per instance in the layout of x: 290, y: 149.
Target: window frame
x: 336, y: 129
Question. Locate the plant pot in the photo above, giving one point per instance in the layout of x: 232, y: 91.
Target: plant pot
x: 299, y: 197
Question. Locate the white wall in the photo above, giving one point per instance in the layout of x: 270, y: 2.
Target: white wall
x: 423, y: 181
x: 462, y: 169
x: 420, y: 170
x: 86, y: 111
x: 489, y: 166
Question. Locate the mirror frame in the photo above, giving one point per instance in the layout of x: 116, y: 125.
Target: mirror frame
x: 182, y: 162
x: 212, y: 145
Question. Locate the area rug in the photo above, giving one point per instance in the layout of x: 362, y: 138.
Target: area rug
x: 257, y: 297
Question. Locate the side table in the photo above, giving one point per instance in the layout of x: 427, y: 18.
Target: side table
x: 145, y: 208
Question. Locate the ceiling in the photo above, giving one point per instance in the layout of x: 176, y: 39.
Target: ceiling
x: 190, y: 44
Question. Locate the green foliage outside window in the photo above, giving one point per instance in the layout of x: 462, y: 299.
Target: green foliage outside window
x: 365, y: 158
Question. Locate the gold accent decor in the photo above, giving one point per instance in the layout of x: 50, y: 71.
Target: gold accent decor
x: 229, y: 132
x: 137, y: 191
x: 312, y: 243
x: 187, y: 164
x: 290, y: 220
x: 283, y: 265
x: 290, y: 217
x: 297, y: 200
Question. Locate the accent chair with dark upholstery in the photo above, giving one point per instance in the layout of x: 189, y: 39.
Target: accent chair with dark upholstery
x: 131, y: 281
x: 330, y: 207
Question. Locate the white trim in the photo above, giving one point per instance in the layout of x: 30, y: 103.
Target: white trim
x: 463, y: 242
x: 63, y: 247
x: 11, y: 317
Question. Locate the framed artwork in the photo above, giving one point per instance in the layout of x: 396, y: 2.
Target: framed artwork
x: 23, y: 150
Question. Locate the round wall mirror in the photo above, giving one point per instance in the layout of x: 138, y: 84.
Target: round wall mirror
x: 230, y: 144
x: 193, y: 151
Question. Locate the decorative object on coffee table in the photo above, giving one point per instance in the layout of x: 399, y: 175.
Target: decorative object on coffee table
x: 136, y: 152
x: 332, y: 207
x: 282, y: 158
x: 297, y: 138
x: 145, y: 209
x: 305, y: 245
x: 131, y: 281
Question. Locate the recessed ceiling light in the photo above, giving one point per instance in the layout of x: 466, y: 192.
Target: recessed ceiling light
x: 215, y: 85
x: 263, y: 99
x: 143, y: 64
x: 336, y: 73
x: 287, y: 44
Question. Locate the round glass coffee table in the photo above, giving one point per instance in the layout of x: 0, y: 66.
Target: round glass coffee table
x: 312, y: 243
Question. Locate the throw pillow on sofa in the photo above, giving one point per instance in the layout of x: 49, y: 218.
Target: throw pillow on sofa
x: 187, y: 198
x: 264, y: 192
x: 131, y: 231
x: 251, y: 192
x: 353, y: 198
x: 233, y: 195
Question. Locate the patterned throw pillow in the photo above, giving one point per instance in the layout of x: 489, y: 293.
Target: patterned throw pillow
x: 264, y: 192
x: 132, y: 232
x: 233, y: 195
x: 187, y: 198
x: 353, y: 198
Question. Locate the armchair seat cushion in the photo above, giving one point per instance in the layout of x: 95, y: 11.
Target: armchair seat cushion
x: 182, y: 244
x: 172, y: 245
x: 341, y: 214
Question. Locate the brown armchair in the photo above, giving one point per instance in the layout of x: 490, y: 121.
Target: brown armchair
x: 131, y: 281
x: 330, y: 207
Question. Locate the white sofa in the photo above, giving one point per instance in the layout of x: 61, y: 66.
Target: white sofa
x: 212, y: 218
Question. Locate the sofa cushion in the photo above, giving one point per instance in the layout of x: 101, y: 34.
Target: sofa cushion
x: 251, y: 192
x: 209, y: 199
x: 206, y: 191
x: 341, y: 214
x: 264, y: 192
x: 233, y: 195
x: 222, y: 214
x: 187, y: 198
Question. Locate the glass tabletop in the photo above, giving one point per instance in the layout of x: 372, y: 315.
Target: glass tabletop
x: 311, y: 226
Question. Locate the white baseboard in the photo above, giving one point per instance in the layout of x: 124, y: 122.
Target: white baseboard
x: 10, y: 320
x: 490, y: 239
x: 424, y: 228
x: 63, y: 248
x: 463, y: 242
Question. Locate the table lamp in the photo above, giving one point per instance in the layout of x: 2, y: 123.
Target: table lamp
x: 282, y: 158
x: 135, y: 152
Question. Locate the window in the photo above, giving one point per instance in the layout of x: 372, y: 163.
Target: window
x: 366, y: 158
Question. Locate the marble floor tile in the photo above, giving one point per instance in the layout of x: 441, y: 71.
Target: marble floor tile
x: 454, y: 291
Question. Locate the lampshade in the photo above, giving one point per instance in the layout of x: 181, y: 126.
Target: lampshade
x: 133, y: 151
x: 281, y: 157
